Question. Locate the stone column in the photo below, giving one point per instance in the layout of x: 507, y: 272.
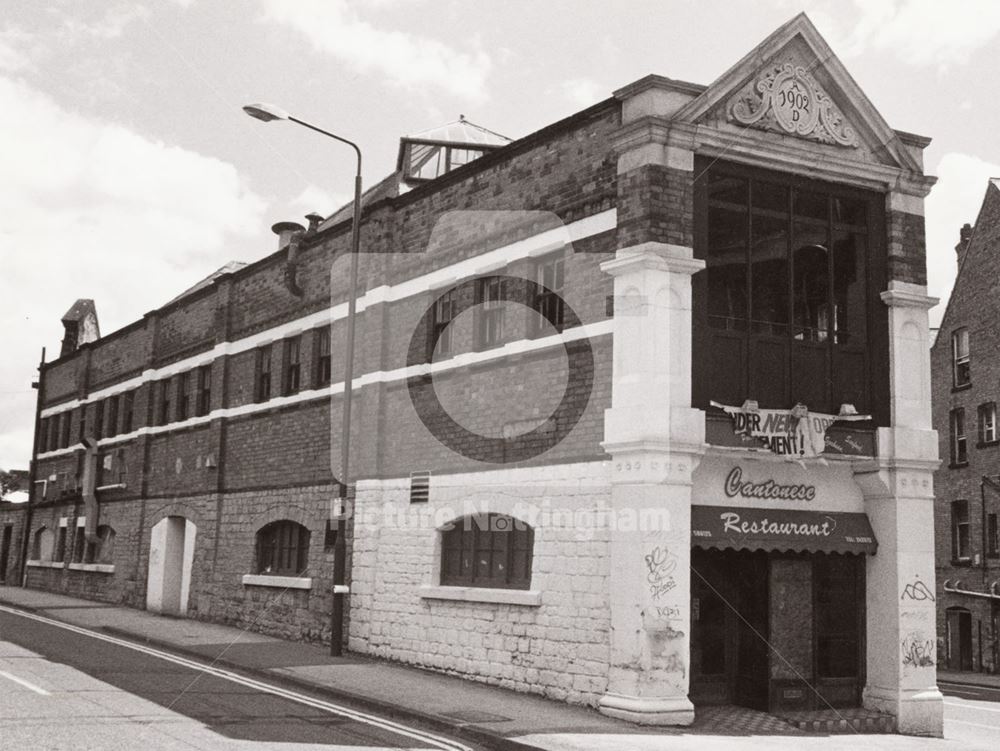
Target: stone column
x: 899, y: 499
x: 655, y: 440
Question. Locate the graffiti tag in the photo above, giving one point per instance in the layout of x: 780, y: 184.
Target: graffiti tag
x: 918, y: 652
x: 917, y: 591
x: 660, y: 564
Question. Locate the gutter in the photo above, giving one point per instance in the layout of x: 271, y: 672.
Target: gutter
x: 993, y: 594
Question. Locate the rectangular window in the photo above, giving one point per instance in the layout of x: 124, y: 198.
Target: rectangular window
x: 112, y: 415
x: 83, y: 423
x: 111, y: 468
x: 323, y: 364
x: 961, y: 374
x: 442, y: 330
x: 992, y: 540
x: 782, y: 312
x: 204, y: 398
x: 164, y: 402
x: 60, y: 552
x: 292, y: 365
x: 183, y: 395
x: 99, y: 419
x: 959, y: 450
x: 960, y: 540
x: 66, y: 421
x: 128, y: 407
x: 80, y: 546
x: 490, y: 296
x: 988, y: 422
x: 45, y: 437
x: 549, y: 275
x: 262, y: 381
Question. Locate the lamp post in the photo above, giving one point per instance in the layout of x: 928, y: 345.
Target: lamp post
x: 267, y: 113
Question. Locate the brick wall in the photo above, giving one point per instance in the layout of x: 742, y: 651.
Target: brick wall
x: 975, y: 306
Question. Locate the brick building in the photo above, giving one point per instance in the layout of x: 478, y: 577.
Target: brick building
x: 965, y: 369
x: 641, y: 411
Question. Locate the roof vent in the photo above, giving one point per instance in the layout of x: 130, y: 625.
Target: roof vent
x: 429, y: 154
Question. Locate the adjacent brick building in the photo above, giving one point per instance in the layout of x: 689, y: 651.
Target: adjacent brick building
x: 965, y: 364
x: 570, y: 350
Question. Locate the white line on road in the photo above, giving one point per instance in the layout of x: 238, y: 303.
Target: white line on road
x: 971, y: 706
x: 24, y: 683
x: 974, y: 724
x: 353, y: 714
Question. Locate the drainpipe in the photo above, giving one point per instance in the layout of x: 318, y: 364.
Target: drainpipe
x: 289, y: 234
x: 39, y: 387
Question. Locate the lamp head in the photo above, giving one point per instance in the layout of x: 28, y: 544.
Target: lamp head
x: 265, y: 112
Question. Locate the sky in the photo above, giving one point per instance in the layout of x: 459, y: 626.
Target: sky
x: 128, y: 170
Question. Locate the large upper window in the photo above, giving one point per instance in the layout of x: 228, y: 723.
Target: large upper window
x: 487, y: 550
x: 283, y: 549
x: 490, y: 295
x: 262, y: 376
x: 960, y: 358
x: 323, y: 362
x: 550, y: 277
x: 783, y: 306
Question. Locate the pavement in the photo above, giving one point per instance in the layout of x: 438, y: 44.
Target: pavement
x: 485, y: 715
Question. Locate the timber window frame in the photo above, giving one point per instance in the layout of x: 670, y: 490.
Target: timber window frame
x: 282, y: 549
x: 324, y: 357
x: 961, y: 372
x: 961, y: 537
x: 262, y: 374
x: 203, y: 390
x: 492, y: 551
x: 958, y: 438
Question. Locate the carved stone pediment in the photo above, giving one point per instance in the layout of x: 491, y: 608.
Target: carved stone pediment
x: 785, y: 98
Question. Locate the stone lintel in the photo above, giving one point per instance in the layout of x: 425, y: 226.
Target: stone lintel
x: 908, y: 295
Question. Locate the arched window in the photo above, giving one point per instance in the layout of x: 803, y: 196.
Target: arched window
x: 43, y: 544
x: 105, y: 549
x: 487, y: 550
x: 282, y: 548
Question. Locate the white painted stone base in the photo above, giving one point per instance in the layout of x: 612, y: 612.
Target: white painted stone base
x: 653, y: 710
x: 917, y: 712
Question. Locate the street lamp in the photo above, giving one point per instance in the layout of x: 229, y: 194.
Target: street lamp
x: 268, y: 113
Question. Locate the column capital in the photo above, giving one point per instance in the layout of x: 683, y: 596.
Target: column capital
x: 678, y: 259
x: 907, y: 295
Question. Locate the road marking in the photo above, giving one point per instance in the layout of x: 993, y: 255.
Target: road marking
x: 375, y: 721
x: 26, y: 684
x: 971, y: 706
x: 973, y: 724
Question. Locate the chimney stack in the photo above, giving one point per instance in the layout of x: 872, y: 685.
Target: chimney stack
x: 964, y: 235
x: 80, y: 326
x: 286, y: 231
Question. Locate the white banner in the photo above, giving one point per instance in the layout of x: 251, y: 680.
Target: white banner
x: 795, y: 433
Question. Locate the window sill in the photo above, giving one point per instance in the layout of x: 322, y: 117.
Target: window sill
x: 281, y: 582
x: 44, y: 564
x: 958, y: 465
x: 113, y: 486
x: 529, y: 597
x: 963, y: 387
x: 100, y: 568
x: 987, y: 444
x: 963, y: 562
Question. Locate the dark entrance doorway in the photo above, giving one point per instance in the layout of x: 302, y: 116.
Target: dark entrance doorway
x: 729, y: 636
x: 959, y: 625
x: 5, y: 539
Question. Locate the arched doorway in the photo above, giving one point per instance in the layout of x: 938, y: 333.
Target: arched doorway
x: 959, y: 638
x: 171, y: 554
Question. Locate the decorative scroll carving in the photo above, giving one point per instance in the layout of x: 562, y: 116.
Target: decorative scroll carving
x: 786, y: 98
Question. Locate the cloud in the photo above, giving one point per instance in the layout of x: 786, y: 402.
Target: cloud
x: 583, y: 92
x: 93, y: 209
x: 324, y: 202
x: 16, y: 49
x: 918, y: 32
x: 955, y: 200
x: 408, y: 60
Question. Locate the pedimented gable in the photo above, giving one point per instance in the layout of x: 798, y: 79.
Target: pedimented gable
x: 793, y: 86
